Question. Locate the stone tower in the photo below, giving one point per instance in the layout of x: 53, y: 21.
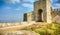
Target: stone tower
x: 42, y: 11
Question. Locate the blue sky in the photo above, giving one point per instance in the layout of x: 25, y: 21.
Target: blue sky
x: 13, y: 10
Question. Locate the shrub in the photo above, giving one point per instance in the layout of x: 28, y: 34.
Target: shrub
x: 40, y: 31
x: 50, y: 32
x: 25, y: 29
x: 55, y: 26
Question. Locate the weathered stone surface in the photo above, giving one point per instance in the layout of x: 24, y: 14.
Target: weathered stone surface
x: 28, y: 17
x: 45, y: 6
x: 56, y: 16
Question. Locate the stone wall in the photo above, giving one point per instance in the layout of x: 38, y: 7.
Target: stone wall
x: 48, y: 7
x: 28, y: 17
x: 56, y: 16
x: 45, y: 6
x: 25, y: 17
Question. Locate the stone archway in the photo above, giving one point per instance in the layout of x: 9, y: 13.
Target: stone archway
x: 40, y: 15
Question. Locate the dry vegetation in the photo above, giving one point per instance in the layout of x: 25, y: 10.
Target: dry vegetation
x: 45, y: 29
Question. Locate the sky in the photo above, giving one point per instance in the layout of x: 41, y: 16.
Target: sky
x: 13, y: 10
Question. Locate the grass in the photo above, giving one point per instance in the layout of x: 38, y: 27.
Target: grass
x: 49, y: 29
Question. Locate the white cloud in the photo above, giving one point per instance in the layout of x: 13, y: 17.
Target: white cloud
x: 9, y: 8
x: 28, y: 0
x: 27, y: 5
x: 19, y: 8
x: 56, y: 5
x: 53, y: 1
x: 12, y: 1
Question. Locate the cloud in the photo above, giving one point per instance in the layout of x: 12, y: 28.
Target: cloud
x: 53, y: 1
x: 12, y: 1
x: 56, y: 5
x: 27, y: 5
x: 28, y: 0
x: 19, y: 8
x: 10, y: 8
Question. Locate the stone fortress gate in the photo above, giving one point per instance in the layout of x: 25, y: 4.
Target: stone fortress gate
x: 42, y: 11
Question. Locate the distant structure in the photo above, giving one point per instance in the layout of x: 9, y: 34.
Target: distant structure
x: 42, y: 12
x: 29, y: 17
x: 56, y: 15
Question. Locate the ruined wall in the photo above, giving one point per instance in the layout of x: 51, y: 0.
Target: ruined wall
x: 25, y: 17
x: 56, y: 16
x: 28, y: 17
